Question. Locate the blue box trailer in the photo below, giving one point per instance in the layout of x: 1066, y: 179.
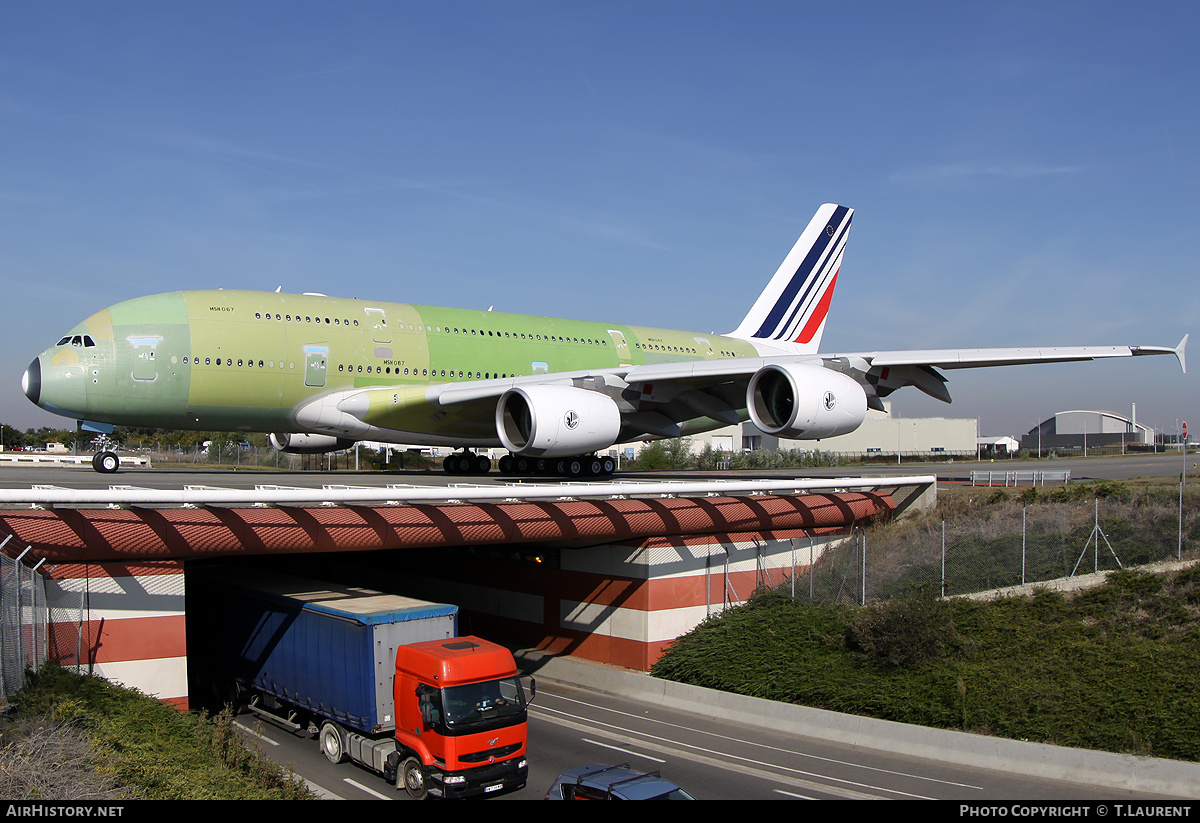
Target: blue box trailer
x: 325, y: 649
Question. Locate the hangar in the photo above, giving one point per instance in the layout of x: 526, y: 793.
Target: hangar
x: 1081, y: 430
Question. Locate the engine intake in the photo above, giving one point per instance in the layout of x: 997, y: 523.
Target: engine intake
x: 802, y: 402
x: 556, y: 421
x: 309, y: 443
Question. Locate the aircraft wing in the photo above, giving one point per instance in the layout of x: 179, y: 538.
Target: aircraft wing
x: 890, y: 370
x: 672, y: 399
x: 978, y: 358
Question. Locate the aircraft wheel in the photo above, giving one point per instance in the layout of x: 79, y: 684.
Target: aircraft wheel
x: 607, y: 466
x: 574, y: 467
x: 333, y: 742
x: 483, y: 464
x: 106, y: 462
x: 458, y: 464
x: 506, y: 464
x: 412, y: 777
x: 592, y: 466
x: 522, y: 465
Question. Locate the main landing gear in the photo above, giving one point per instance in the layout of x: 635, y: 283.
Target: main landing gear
x: 466, y: 462
x: 590, y: 465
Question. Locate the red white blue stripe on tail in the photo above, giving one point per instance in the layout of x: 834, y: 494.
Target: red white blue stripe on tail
x: 795, y: 303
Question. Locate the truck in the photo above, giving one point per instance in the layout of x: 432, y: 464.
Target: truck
x: 380, y: 679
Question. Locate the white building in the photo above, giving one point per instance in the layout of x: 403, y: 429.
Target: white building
x: 880, y: 434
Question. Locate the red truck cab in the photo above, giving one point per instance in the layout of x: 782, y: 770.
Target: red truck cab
x: 461, y: 718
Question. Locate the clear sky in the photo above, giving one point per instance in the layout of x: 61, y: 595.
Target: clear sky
x: 1022, y: 173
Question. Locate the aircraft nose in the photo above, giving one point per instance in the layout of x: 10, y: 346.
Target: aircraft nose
x: 31, y: 381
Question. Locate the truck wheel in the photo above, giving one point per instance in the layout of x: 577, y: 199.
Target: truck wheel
x: 412, y: 778
x: 106, y: 462
x: 333, y: 742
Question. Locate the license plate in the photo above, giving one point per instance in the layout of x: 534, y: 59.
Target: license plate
x: 495, y: 788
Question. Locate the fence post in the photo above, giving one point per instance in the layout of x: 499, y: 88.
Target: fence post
x: 943, y: 557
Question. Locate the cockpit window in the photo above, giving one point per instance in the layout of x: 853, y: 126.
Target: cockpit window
x: 84, y: 340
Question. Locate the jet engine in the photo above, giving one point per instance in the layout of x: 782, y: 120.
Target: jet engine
x: 556, y: 421
x: 802, y: 402
x: 309, y: 443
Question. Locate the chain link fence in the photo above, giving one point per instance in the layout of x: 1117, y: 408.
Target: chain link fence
x: 1002, y: 545
x: 23, y: 620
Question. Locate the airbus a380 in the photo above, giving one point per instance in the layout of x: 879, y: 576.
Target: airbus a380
x: 321, y: 372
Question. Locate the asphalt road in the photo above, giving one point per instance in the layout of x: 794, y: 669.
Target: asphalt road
x: 572, y: 726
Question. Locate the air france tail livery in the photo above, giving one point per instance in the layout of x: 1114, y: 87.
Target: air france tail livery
x: 320, y: 372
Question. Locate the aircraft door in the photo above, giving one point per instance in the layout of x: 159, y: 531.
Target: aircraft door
x: 316, y: 366
x: 377, y: 319
x: 622, y: 347
x: 144, y: 366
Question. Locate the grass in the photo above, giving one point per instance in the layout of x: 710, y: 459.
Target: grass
x: 1111, y: 668
x: 141, y: 748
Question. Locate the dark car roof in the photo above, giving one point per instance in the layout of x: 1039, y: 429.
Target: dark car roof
x: 621, y: 781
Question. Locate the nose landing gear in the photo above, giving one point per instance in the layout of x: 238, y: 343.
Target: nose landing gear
x: 106, y: 462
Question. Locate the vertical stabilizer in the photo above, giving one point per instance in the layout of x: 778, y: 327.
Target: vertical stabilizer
x: 795, y: 303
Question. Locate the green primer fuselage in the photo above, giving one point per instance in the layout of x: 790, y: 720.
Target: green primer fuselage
x: 245, y: 360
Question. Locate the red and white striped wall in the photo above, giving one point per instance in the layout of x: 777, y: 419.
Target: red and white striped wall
x: 122, y: 621
x: 621, y: 603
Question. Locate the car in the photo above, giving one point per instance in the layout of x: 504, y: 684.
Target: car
x: 599, y: 781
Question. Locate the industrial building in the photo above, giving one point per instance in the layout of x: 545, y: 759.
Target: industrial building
x: 880, y: 435
x: 1080, y: 430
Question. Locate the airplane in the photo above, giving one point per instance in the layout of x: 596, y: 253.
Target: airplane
x: 320, y: 373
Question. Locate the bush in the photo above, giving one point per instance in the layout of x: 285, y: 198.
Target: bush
x: 903, y: 632
x: 153, y: 749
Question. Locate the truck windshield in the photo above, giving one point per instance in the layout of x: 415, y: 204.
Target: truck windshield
x: 483, y: 702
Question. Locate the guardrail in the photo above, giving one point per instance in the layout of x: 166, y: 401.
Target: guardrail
x: 51, y: 459
x: 397, y: 494
x: 1020, y: 478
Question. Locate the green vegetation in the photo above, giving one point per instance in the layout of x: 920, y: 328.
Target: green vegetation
x: 127, y: 745
x: 1112, y: 668
x: 676, y: 455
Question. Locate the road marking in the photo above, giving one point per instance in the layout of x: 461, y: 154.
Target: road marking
x: 363, y: 788
x: 251, y: 731
x: 623, y: 751
x: 722, y: 761
x: 744, y: 741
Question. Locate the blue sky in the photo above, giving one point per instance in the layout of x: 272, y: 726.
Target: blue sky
x: 1022, y: 173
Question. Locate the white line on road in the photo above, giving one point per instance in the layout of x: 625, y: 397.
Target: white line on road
x: 363, y: 788
x: 623, y: 751
x: 723, y: 761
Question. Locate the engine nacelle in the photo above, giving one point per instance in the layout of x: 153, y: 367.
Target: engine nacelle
x: 556, y: 421
x: 309, y: 443
x: 801, y: 402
